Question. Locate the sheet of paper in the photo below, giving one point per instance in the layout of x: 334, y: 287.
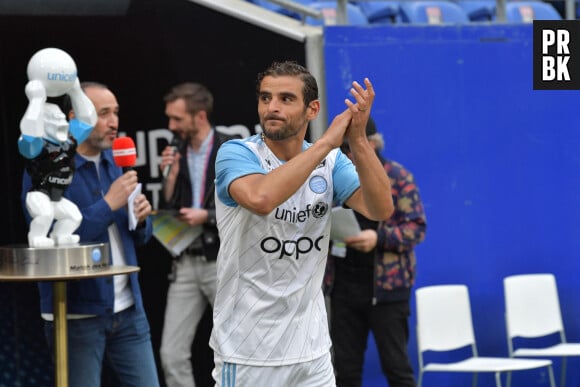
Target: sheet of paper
x: 344, y: 224
x: 131, y: 207
x: 172, y: 233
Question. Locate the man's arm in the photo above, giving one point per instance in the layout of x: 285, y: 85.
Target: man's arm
x: 169, y: 158
x: 262, y: 193
x: 373, y: 198
x: 407, y: 227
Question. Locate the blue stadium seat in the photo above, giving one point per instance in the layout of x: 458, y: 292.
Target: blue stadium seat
x: 478, y: 10
x: 328, y: 9
x: 528, y: 11
x: 355, y: 16
x: 381, y: 11
x: 279, y: 9
x: 560, y: 6
x: 265, y: 4
x: 432, y: 12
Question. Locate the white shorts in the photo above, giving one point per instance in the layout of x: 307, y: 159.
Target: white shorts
x: 315, y: 373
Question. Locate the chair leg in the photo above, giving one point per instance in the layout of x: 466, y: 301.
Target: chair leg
x: 474, y: 380
x: 563, y: 373
x: 551, y: 376
x: 509, y: 379
x: 497, y: 379
x: 420, y: 378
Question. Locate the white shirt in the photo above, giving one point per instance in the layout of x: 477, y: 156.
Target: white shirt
x: 269, y: 308
x: 197, y: 163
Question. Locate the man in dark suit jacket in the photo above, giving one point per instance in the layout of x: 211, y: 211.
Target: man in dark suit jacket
x: 189, y: 189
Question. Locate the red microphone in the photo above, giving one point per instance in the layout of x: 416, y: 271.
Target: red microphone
x: 124, y: 153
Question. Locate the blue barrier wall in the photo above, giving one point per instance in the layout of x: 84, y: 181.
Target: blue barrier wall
x: 498, y: 165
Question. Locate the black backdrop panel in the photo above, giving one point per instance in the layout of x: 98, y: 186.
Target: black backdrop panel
x: 139, y: 56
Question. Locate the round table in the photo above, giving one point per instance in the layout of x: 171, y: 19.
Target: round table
x: 58, y: 264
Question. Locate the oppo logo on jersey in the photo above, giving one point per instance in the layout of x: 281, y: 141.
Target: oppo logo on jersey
x: 288, y: 248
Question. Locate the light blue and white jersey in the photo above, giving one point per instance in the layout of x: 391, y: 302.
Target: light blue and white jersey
x: 269, y: 308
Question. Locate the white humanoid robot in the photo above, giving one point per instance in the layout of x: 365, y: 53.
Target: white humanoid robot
x: 49, y: 143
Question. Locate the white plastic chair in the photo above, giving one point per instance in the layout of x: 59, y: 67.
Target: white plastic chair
x: 444, y: 324
x: 532, y: 310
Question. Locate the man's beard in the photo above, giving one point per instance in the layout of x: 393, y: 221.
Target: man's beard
x: 284, y: 133
x: 101, y: 143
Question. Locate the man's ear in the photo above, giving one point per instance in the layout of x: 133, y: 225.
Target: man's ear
x: 71, y: 115
x: 313, y: 109
x: 202, y: 114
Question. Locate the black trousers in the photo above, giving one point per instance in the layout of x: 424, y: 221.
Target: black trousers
x: 350, y: 325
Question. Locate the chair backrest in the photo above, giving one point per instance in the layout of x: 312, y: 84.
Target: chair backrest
x: 532, y: 305
x: 381, y: 11
x: 281, y: 9
x: 478, y: 10
x: 354, y: 15
x: 443, y: 318
x: 528, y: 11
x: 265, y: 4
x: 432, y: 12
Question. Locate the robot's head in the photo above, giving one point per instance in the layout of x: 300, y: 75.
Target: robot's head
x: 55, y: 123
x: 55, y: 69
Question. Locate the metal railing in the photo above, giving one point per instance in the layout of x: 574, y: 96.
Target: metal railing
x: 311, y: 36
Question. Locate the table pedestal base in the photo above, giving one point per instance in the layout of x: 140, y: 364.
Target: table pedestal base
x: 60, y: 334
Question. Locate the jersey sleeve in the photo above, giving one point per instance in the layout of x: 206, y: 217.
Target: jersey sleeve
x: 345, y: 178
x: 234, y: 160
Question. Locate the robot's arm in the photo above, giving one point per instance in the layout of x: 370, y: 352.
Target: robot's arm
x: 79, y: 130
x: 32, y: 123
x: 29, y: 146
x: 82, y: 105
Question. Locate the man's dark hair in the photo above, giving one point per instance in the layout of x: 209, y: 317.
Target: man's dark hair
x: 197, y: 97
x: 293, y: 69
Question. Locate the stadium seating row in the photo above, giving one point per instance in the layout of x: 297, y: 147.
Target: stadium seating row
x: 419, y: 11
